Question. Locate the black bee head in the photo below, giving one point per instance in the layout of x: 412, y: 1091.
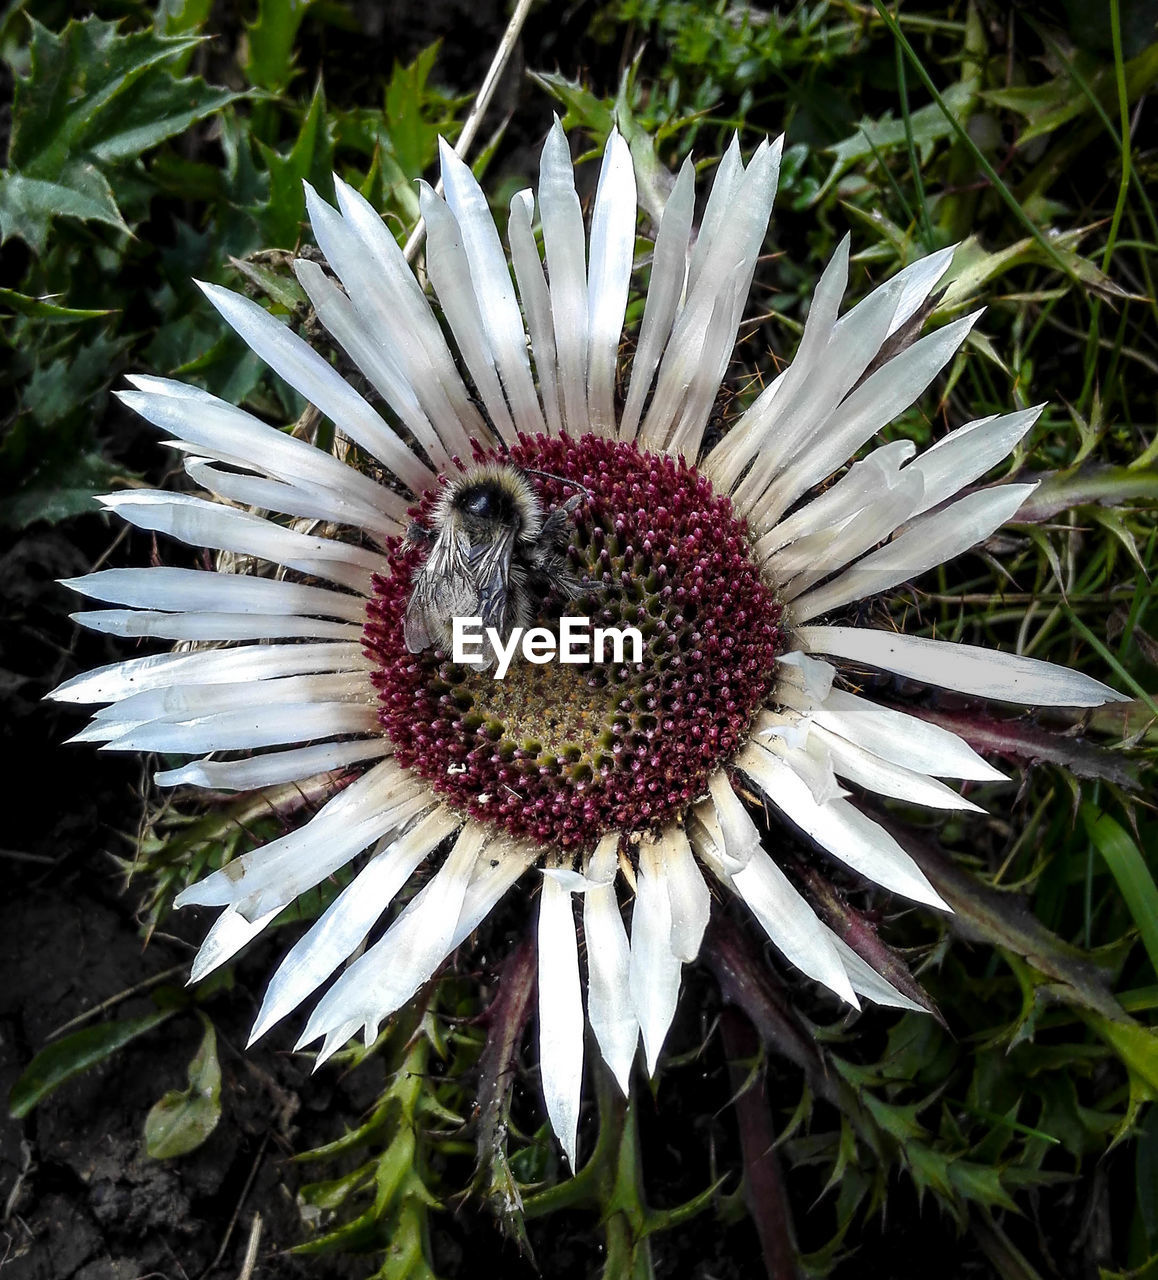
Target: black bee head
x: 488, y: 501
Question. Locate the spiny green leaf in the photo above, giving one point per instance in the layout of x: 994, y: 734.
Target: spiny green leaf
x: 28, y: 205
x: 74, y: 1054
x: 269, y: 63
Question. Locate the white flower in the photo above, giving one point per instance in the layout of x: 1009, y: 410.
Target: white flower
x: 734, y: 562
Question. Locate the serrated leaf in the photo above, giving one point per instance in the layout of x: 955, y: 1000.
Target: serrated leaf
x: 269, y: 61
x: 71, y: 492
x: 28, y: 205
x: 311, y: 157
x: 74, y: 1054
x: 182, y: 1120
x: 75, y: 81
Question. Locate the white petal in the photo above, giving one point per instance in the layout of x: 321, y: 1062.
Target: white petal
x: 418, y: 340
x: 884, y: 394
x: 560, y: 1015
x: 724, y: 192
x: 343, y: 927
x: 194, y: 591
x: 565, y: 245
x: 669, y: 266
x: 870, y: 479
x: 245, y: 730
x: 211, y: 666
x: 867, y: 982
x: 275, y: 767
x: 536, y: 303
x: 227, y: 935
x: 609, y: 272
x: 185, y: 702
x: 212, y: 626
x: 493, y: 288
x: 344, y: 324
x: 861, y: 765
x: 609, y: 1007
x: 787, y: 424
x: 654, y: 977
x: 968, y: 453
x: 784, y: 914
x: 321, y: 384
x: 902, y: 739
x: 408, y: 954
x: 379, y: 801
x: 928, y: 542
x: 688, y: 897
x: 820, y: 554
x: 837, y: 826
x: 229, y: 433
x: 967, y: 668
x: 210, y: 524
x: 449, y: 271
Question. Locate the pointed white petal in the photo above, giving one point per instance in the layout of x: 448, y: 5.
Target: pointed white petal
x: 902, y: 739
x: 343, y: 927
x: 565, y: 245
x: 967, y: 668
x: 861, y: 765
x: 227, y: 935
x: 609, y: 272
x: 194, y: 591
x: 211, y: 666
x: 928, y: 542
x: 867, y: 982
x: 382, y: 979
x: 669, y: 266
x: 246, y: 730
x: 784, y: 914
x: 449, y: 271
x: 870, y: 479
x: 492, y: 286
x: 560, y: 1015
x: 536, y: 303
x: 654, y: 969
x: 968, y: 453
x: 321, y: 384
x: 275, y: 767
x: 418, y: 340
x: 223, y: 431
x: 210, y: 524
x: 348, y: 328
x: 212, y: 626
x: 378, y: 802
x: 836, y: 825
x: 884, y: 394
x: 609, y: 1007
x: 723, y: 194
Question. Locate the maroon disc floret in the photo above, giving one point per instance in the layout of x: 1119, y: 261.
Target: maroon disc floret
x: 565, y: 753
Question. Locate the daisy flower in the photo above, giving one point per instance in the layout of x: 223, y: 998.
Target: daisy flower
x: 627, y: 787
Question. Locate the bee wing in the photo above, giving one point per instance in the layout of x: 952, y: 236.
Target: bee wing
x: 443, y: 589
x: 491, y: 567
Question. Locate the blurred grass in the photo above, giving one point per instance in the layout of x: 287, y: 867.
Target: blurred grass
x: 152, y: 144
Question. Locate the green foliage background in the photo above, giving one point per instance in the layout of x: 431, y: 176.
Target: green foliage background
x: 153, y: 144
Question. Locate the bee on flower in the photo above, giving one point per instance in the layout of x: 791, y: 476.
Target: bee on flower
x: 517, y: 467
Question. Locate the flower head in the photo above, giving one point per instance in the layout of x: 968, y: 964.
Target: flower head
x: 734, y: 558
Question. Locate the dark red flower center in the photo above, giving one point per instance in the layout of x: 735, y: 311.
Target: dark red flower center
x: 564, y: 753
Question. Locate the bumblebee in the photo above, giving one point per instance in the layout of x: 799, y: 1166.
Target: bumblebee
x: 494, y: 554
